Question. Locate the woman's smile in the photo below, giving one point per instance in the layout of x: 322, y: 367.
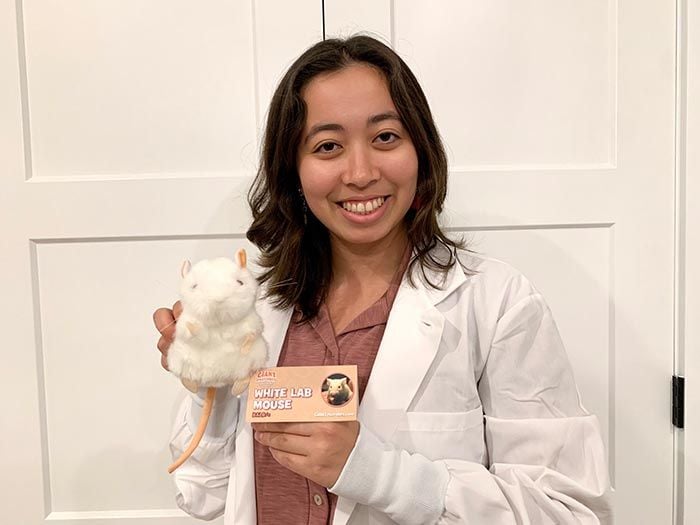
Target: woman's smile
x: 363, y: 206
x: 364, y: 211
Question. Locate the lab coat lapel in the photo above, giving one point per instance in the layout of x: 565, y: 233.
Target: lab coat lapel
x: 409, y: 345
x: 274, y: 331
x: 242, y: 475
x: 408, y: 348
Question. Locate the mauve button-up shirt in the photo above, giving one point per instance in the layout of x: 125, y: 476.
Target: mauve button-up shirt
x: 282, y: 495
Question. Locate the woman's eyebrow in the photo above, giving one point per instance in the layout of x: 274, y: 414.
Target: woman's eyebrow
x: 387, y: 115
x: 318, y: 128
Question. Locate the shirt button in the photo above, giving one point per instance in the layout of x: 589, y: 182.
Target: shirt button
x: 318, y: 500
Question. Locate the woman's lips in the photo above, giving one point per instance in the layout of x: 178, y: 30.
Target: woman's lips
x: 356, y: 210
x: 363, y: 207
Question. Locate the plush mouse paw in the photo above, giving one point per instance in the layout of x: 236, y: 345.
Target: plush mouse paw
x: 239, y: 386
x: 248, y: 343
x: 190, y: 385
x: 193, y: 329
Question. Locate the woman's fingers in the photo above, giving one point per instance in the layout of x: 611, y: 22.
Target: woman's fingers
x: 289, y: 443
x: 165, y: 322
x: 317, y: 451
x: 164, y: 344
x: 177, y: 309
x: 300, y: 429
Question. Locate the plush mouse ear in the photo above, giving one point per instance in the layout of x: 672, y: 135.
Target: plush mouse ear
x: 185, y: 268
x: 242, y: 259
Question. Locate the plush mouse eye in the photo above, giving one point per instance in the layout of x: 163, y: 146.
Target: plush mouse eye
x: 239, y: 282
x: 194, y: 286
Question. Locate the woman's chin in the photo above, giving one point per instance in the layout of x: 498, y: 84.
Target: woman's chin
x: 370, y: 237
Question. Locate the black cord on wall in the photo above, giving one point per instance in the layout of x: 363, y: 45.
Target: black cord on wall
x: 323, y: 17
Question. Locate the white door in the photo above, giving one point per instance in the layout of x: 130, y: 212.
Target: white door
x: 688, y: 363
x: 558, y: 116
x: 128, y: 134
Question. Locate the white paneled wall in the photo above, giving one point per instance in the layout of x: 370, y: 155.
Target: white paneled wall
x: 372, y: 17
x: 279, y: 41
x: 520, y: 84
x: 142, y: 122
x: 130, y: 88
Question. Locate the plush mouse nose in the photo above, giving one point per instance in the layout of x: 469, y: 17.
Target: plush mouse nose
x: 221, y: 297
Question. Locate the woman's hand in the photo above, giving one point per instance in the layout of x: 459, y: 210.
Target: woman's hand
x: 165, y: 320
x: 317, y: 451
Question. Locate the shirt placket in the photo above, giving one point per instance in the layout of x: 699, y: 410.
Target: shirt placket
x: 319, y: 511
x: 319, y: 508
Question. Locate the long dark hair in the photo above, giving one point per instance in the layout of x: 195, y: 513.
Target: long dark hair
x: 294, y: 245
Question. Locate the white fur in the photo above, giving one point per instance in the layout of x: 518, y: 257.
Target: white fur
x: 221, y: 313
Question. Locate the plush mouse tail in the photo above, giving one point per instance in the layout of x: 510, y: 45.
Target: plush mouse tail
x: 203, y: 420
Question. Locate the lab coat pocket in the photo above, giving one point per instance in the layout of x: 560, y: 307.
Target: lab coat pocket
x: 443, y: 435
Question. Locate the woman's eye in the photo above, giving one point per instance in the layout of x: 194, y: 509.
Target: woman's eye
x: 327, y: 147
x: 387, y: 137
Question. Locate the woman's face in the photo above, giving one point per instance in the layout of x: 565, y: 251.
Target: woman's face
x: 357, y: 164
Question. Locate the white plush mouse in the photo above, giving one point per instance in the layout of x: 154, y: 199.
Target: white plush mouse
x: 218, y: 338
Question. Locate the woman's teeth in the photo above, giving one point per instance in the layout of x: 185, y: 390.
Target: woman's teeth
x: 363, y: 208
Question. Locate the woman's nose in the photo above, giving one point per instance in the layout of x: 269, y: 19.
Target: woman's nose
x: 360, y: 171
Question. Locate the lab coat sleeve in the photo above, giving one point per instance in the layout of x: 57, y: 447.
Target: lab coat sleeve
x: 202, y: 480
x: 546, y: 457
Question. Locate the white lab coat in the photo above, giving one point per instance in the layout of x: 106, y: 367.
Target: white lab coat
x: 471, y: 416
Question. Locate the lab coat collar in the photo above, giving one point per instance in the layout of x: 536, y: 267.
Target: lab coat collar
x: 408, y: 347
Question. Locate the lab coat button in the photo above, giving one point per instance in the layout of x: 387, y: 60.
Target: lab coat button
x: 318, y: 500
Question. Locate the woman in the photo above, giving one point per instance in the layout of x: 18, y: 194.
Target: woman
x: 469, y: 412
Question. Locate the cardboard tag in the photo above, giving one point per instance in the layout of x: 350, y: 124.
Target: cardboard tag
x: 303, y: 393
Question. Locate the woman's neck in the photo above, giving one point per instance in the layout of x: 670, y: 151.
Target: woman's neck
x: 363, y: 265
